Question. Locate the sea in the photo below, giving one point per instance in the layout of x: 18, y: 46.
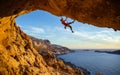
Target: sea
x: 94, y: 62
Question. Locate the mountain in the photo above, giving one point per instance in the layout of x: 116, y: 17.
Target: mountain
x: 46, y: 45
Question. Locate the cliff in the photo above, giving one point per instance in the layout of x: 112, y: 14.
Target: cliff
x: 17, y: 55
x: 40, y: 44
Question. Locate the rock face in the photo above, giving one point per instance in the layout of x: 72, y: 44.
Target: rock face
x: 40, y: 45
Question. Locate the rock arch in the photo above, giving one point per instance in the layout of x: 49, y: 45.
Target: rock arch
x: 101, y: 13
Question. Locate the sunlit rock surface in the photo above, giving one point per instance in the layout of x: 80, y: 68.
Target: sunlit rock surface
x: 17, y: 56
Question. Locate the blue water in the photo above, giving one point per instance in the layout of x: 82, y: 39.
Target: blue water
x: 107, y: 64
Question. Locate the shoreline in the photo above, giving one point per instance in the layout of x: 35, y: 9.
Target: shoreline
x: 78, y: 68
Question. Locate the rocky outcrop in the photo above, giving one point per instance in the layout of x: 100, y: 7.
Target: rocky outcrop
x: 59, y: 66
x: 40, y: 45
x: 17, y: 55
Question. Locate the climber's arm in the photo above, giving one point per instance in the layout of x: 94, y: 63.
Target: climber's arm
x: 71, y: 22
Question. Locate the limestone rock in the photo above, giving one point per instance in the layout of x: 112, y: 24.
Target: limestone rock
x: 17, y: 56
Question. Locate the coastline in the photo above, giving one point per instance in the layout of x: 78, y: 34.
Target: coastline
x: 96, y: 70
x: 79, y: 69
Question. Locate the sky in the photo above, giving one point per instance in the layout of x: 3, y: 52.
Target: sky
x: 44, y: 25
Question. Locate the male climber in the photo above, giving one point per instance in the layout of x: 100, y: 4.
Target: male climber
x: 67, y: 24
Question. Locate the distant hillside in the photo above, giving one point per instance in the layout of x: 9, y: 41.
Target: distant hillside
x: 116, y: 52
x: 111, y: 52
x: 57, y: 49
x: 46, y: 45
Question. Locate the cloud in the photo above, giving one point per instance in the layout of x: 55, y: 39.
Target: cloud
x: 108, y: 36
x: 37, y: 30
x: 33, y: 31
x: 101, y: 36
